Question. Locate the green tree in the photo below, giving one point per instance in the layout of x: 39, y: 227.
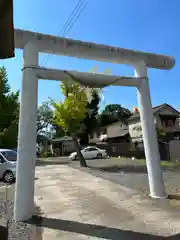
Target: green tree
x: 113, y: 113
x: 44, y: 116
x: 44, y: 122
x: 59, y: 131
x: 9, y: 112
x: 91, y: 121
x: 164, y: 136
x: 71, y: 112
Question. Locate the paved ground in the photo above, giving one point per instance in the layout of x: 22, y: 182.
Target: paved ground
x: 132, y: 175
x: 78, y: 205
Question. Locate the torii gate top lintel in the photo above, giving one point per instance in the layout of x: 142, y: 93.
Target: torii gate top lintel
x: 64, y: 46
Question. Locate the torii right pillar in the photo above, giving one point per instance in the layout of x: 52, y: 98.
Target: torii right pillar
x: 155, y: 175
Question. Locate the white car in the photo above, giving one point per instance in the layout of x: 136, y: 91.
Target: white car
x: 90, y: 153
x: 8, y: 159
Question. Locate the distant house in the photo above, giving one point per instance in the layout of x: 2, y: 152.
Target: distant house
x: 118, y: 132
x: 62, y: 146
x: 115, y: 132
x: 165, y: 117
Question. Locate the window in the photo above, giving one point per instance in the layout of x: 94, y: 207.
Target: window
x: 90, y: 149
x: 168, y: 123
x: 1, y: 159
x: 10, y: 155
x: 138, y: 129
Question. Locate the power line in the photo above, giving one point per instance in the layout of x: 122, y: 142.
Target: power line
x: 77, y: 17
x: 72, y: 14
x: 72, y: 19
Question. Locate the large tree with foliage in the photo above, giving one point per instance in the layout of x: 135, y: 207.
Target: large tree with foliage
x: 112, y: 113
x: 44, y: 116
x: 91, y: 121
x: 71, y: 112
x: 9, y: 112
x: 44, y: 122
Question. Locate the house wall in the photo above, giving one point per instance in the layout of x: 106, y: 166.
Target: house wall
x: 94, y: 137
x: 135, y: 130
x: 167, y: 110
x: 114, y: 130
x: 63, y: 148
x: 157, y: 121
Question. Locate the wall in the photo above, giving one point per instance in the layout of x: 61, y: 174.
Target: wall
x: 63, y: 148
x: 135, y: 129
x: 157, y: 121
x: 129, y: 150
x: 121, y: 149
x: 115, y: 129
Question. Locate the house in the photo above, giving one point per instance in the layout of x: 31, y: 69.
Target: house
x: 62, y: 146
x: 118, y: 132
x: 165, y: 117
x: 99, y: 135
x: 115, y: 132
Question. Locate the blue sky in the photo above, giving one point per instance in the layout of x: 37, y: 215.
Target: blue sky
x: 145, y: 25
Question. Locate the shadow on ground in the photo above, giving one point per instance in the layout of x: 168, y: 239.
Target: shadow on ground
x: 174, y: 197
x: 94, y: 230
x: 3, y: 233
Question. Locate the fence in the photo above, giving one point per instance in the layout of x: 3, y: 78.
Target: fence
x: 127, y: 150
x: 174, y: 150
x: 122, y: 149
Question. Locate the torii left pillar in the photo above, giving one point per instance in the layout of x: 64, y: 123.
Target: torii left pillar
x: 24, y: 197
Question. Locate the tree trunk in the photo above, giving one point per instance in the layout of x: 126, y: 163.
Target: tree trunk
x: 84, y: 139
x: 79, y: 154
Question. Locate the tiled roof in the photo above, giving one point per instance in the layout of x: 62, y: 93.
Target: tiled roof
x: 155, y: 109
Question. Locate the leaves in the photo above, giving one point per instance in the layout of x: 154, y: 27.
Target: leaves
x: 71, y: 112
x: 9, y: 112
x: 44, y: 116
x: 113, y: 113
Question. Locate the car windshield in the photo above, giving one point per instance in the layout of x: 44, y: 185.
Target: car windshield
x: 10, y: 155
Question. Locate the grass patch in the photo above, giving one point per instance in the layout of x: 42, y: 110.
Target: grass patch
x: 142, y: 162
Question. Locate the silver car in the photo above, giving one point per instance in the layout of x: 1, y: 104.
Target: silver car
x: 8, y: 159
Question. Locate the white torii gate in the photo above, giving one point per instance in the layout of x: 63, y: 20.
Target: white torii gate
x: 32, y: 43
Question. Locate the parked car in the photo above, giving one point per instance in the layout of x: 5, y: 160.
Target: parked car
x: 8, y: 159
x: 90, y: 153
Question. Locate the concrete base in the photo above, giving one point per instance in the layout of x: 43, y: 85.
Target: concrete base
x: 158, y: 197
